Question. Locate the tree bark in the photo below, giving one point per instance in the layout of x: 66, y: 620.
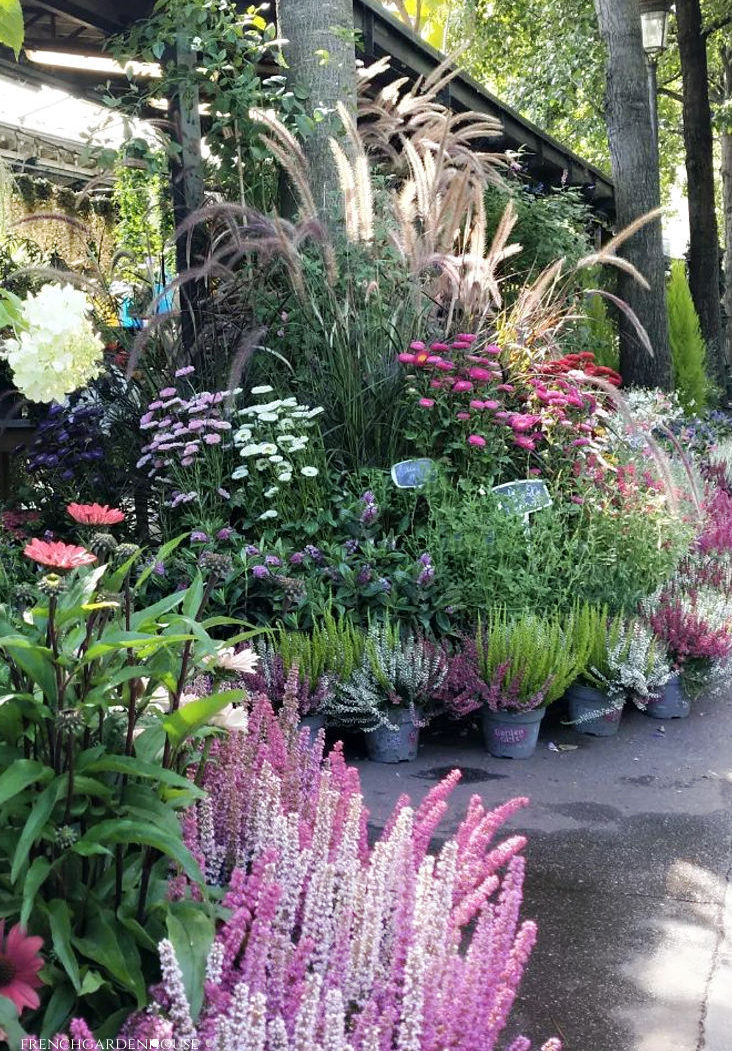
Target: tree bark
x: 321, y: 58
x: 634, y: 156
x: 704, y: 276
x: 726, y: 150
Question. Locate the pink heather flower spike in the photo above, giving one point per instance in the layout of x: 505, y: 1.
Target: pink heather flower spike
x: 414, y: 943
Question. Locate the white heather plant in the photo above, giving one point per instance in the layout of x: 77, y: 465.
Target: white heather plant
x: 397, y: 670
x: 282, y: 456
x: 55, y: 350
x: 637, y: 664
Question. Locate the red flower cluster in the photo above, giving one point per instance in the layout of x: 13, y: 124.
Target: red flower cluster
x: 14, y: 522
x: 584, y: 362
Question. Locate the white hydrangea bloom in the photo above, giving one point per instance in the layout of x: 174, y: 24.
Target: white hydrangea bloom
x: 56, y: 350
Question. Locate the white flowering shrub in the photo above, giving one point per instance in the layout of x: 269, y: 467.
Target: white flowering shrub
x: 637, y: 662
x: 282, y: 457
x: 55, y: 350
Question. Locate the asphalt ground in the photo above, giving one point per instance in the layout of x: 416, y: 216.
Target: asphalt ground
x: 628, y: 869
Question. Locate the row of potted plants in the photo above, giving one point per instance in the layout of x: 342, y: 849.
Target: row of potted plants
x: 389, y: 682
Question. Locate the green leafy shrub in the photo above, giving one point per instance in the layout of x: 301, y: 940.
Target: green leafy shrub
x: 95, y: 728
x: 688, y: 350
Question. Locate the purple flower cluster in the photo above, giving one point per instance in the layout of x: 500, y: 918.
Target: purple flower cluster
x: 370, y: 511
x: 427, y: 573
x: 182, y: 428
x: 69, y: 445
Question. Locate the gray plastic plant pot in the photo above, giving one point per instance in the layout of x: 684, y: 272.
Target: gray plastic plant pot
x: 511, y: 735
x: 395, y: 744
x: 313, y: 724
x: 672, y: 703
x: 592, y: 712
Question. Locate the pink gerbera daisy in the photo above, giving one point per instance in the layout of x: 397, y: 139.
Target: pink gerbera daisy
x: 19, y: 967
x: 95, y: 514
x: 58, y: 555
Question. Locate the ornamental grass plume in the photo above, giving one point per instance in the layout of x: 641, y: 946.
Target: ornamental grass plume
x: 332, y: 945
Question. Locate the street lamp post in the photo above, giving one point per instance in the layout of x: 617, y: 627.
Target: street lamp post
x: 655, y: 16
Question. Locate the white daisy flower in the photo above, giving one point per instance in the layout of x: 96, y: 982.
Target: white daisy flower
x: 264, y: 389
x: 271, y: 513
x: 309, y: 472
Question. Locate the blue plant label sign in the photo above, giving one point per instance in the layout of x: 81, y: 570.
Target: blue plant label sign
x: 412, y: 474
x: 523, y: 498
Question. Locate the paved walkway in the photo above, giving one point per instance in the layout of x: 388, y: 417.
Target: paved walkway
x: 629, y: 862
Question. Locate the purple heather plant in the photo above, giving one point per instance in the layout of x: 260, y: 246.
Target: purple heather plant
x: 332, y: 944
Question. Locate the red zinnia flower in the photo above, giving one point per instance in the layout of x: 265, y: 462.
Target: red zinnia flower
x: 58, y: 555
x: 19, y: 967
x: 95, y: 514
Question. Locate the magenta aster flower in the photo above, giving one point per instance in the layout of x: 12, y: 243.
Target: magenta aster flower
x: 426, y: 403
x: 477, y: 440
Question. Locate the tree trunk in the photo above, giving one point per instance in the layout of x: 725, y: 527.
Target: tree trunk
x: 637, y: 191
x: 699, y: 146
x: 726, y: 149
x: 321, y: 59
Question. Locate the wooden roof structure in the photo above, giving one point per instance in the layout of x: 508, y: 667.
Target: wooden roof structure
x: 81, y: 27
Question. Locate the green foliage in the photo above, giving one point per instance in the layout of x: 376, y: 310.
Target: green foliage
x: 12, y: 30
x: 567, y: 553
x: 91, y: 792
x: 229, y: 44
x: 688, y: 350
x: 140, y: 194
x: 549, y: 226
x: 334, y: 646
x: 531, y: 659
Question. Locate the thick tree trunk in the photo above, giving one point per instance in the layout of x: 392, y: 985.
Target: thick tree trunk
x: 321, y: 59
x: 699, y: 146
x: 726, y: 149
x: 637, y: 191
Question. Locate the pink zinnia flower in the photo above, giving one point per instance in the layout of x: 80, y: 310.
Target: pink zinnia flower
x: 426, y: 403
x: 57, y: 554
x: 475, y: 404
x: 466, y: 337
x: 19, y: 967
x: 507, y: 387
x: 463, y: 416
x: 212, y: 439
x: 417, y: 344
x: 406, y: 359
x: 95, y: 514
x: 444, y: 365
x: 492, y: 348
x: 477, y: 440
x: 168, y: 392
x: 439, y: 346
x: 482, y: 375
x: 524, y: 441
x: 437, y: 384
x: 461, y: 386
x: 491, y: 404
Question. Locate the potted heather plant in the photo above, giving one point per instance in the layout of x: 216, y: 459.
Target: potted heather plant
x: 524, y: 664
x: 393, y: 692
x: 695, y: 626
x: 312, y: 663
x: 596, y: 699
